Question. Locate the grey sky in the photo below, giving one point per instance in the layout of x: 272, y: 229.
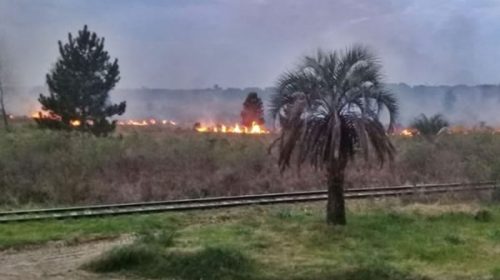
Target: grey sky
x: 191, y: 44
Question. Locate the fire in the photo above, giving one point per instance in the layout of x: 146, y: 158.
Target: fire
x: 236, y: 129
x: 52, y: 116
x: 75, y: 123
x: 149, y: 122
x: 45, y: 115
x: 169, y: 122
x: 407, y: 133
x: 256, y: 129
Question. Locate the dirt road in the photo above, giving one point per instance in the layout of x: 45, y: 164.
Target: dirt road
x: 55, y: 261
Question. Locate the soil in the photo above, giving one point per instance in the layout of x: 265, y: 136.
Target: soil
x: 55, y: 261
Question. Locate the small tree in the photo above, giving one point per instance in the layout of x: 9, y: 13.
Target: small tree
x: 429, y: 127
x: 5, y: 117
x: 79, y: 86
x: 329, y: 110
x: 252, y: 110
x: 3, y: 110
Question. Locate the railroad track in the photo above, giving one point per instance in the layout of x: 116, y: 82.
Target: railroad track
x: 231, y: 201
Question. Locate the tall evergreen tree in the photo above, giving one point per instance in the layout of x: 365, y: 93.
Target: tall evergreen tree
x: 3, y: 110
x: 79, y: 86
x: 252, y: 110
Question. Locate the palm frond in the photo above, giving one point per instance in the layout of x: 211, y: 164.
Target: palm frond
x: 337, y: 111
x: 429, y: 127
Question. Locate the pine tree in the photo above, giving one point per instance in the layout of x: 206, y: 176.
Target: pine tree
x: 79, y: 86
x: 3, y: 110
x: 252, y: 110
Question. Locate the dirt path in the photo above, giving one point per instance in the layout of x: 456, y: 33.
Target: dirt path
x: 54, y: 261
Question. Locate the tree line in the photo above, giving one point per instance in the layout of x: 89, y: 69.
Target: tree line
x: 328, y: 107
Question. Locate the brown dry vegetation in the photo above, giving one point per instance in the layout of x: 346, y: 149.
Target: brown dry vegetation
x: 153, y: 163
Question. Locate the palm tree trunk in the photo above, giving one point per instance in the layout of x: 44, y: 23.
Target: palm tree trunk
x: 335, y: 209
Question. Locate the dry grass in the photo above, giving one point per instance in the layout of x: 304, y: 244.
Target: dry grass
x: 138, y: 164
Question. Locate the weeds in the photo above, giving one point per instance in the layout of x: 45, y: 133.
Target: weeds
x: 129, y: 257
x: 483, y: 216
x: 260, y: 242
x: 48, y: 168
x: 454, y: 239
x: 376, y: 271
x: 162, y: 238
x: 149, y: 257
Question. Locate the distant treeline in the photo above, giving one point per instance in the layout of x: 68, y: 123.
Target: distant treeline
x: 460, y: 104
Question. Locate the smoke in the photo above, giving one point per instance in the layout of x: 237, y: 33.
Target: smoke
x: 466, y: 105
x: 241, y: 43
x: 195, y: 44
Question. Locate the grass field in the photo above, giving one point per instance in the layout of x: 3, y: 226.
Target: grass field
x: 385, y: 239
x: 47, y: 168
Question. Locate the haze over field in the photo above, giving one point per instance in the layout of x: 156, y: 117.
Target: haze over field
x: 196, y: 44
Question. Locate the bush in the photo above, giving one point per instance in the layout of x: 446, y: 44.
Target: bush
x: 149, y: 256
x: 211, y: 263
x: 376, y: 271
x: 454, y: 239
x: 483, y: 216
x: 124, y: 258
x: 146, y: 258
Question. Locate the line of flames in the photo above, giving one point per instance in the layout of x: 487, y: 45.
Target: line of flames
x: 76, y: 122
x: 146, y: 122
x: 52, y: 116
x: 236, y: 128
x: 457, y: 129
x: 254, y: 128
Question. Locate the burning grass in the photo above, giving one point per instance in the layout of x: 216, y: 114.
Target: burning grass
x: 41, y: 167
x: 235, y: 129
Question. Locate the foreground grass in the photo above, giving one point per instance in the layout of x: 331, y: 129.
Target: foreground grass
x: 384, y: 240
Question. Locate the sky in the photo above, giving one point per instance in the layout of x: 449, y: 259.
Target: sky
x: 242, y: 43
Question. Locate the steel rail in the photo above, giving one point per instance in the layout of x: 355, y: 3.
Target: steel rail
x: 228, y: 198
x: 223, y: 202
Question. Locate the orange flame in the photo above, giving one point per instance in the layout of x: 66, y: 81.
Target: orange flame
x: 75, y: 123
x: 407, y: 133
x: 236, y: 129
x: 150, y: 122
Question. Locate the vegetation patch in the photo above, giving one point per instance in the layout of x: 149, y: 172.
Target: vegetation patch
x: 483, y: 216
x: 42, y: 168
x: 375, y: 271
x: 129, y: 257
x: 383, y: 240
x: 150, y: 257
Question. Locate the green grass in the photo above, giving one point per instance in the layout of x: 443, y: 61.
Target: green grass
x: 152, y: 261
x: 18, y: 235
x: 383, y: 240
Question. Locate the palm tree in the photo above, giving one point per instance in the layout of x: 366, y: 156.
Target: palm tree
x: 329, y: 111
x: 429, y: 127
